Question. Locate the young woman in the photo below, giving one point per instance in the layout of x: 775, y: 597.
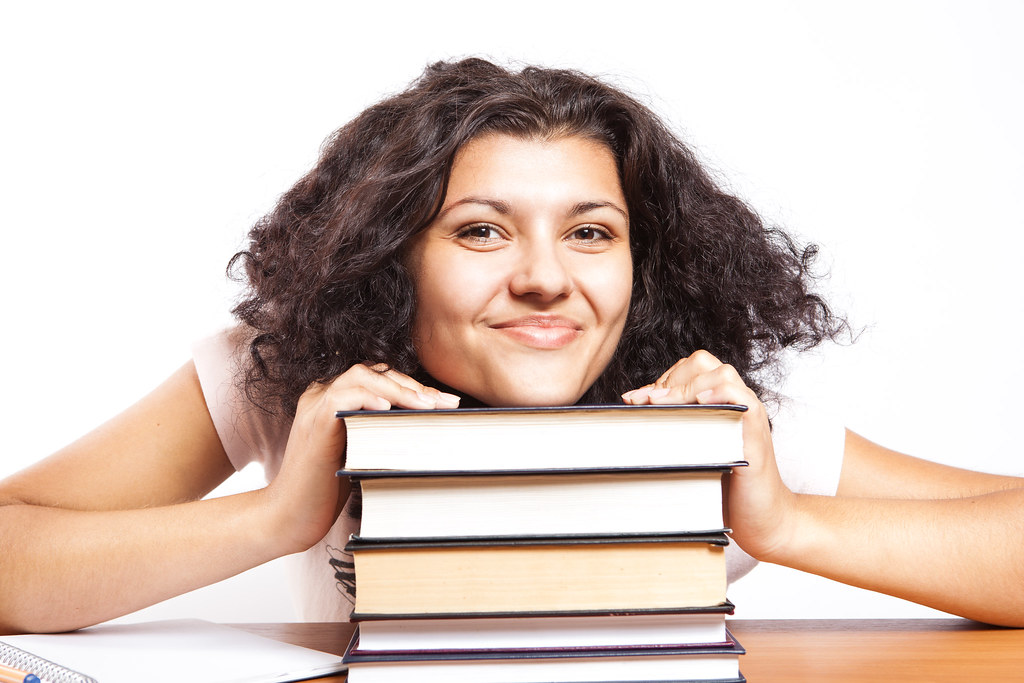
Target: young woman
x: 530, y: 238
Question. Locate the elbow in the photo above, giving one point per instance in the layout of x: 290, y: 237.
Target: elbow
x: 1006, y: 612
x: 1012, y: 618
x: 15, y: 622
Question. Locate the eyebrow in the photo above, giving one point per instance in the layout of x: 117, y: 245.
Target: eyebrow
x: 584, y: 207
x: 501, y: 207
x: 504, y: 208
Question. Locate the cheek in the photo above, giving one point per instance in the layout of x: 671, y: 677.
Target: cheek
x: 447, y: 298
x: 624, y: 295
x: 443, y: 331
x: 613, y: 291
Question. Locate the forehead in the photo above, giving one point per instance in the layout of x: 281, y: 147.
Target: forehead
x: 535, y: 169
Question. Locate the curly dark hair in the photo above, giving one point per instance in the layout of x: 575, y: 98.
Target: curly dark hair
x: 328, y: 286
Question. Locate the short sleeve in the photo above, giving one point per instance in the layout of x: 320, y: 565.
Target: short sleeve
x: 250, y: 434
x: 809, y: 443
x: 247, y: 432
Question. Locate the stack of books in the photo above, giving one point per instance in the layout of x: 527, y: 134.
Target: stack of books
x: 542, y: 544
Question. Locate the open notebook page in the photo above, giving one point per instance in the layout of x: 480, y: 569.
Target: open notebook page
x: 174, y: 651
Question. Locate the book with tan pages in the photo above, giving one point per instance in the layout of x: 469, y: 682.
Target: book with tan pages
x: 537, y: 577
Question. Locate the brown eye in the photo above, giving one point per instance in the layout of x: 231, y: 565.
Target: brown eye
x: 590, y: 233
x: 479, y: 232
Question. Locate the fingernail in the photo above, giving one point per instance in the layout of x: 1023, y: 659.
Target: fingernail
x: 704, y: 396
x: 637, y: 393
x: 448, y: 399
x: 427, y: 398
x: 659, y: 393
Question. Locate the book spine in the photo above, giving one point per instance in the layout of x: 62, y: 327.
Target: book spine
x: 725, y: 607
x: 554, y: 471
x: 359, y: 543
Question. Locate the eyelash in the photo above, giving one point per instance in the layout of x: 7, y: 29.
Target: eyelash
x: 599, y: 234
x: 469, y: 229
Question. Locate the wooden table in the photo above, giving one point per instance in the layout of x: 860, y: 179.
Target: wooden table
x: 794, y: 650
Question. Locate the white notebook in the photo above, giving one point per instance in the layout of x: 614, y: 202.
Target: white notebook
x: 165, y: 652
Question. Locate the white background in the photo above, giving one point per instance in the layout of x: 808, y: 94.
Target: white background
x: 140, y: 141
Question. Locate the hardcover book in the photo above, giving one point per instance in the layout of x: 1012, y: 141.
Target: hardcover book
x: 531, y: 576
x: 711, y: 664
x: 541, y: 503
x: 544, y: 438
x: 648, y: 629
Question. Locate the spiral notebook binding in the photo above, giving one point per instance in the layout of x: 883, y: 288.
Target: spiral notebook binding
x: 46, y: 670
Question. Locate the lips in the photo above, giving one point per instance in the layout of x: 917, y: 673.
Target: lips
x: 541, y: 331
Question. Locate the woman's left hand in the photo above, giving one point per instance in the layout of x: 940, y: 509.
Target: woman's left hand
x: 757, y: 502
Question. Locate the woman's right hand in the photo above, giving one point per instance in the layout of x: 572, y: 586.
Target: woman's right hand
x: 758, y: 505
x: 306, y: 496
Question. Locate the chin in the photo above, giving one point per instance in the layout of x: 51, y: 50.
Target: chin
x: 513, y: 396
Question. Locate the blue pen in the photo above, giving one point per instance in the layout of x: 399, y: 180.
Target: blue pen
x: 11, y: 675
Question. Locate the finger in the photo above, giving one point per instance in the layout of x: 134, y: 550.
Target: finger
x: 359, y: 382
x: 639, y: 396
x: 396, y: 388
x: 356, y: 398
x: 683, y: 371
x: 721, y: 385
x: 647, y: 395
x: 440, y: 398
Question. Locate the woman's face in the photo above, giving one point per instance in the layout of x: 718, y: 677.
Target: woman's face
x: 523, y: 280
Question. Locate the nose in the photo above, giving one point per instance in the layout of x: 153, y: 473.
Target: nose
x: 542, y: 271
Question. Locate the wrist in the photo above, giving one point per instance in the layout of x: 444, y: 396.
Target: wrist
x: 794, y: 537
x: 765, y: 519
x: 295, y: 519
x: 263, y: 521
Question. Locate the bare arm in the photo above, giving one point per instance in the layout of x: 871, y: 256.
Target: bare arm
x: 873, y: 471
x: 104, y: 526
x: 937, y: 535
x: 115, y: 522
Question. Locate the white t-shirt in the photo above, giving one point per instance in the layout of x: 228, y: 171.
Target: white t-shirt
x: 808, y: 448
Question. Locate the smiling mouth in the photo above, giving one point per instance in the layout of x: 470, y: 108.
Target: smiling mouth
x: 540, y: 332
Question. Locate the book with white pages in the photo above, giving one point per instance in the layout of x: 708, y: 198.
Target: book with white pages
x: 534, y: 438
x: 718, y: 663
x: 586, y: 502
x: 648, y: 629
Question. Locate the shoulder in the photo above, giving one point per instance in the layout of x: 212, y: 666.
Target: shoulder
x: 248, y: 432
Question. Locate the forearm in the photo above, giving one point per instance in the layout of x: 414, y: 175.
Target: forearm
x: 963, y: 556
x: 64, y: 569
x: 102, y: 528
